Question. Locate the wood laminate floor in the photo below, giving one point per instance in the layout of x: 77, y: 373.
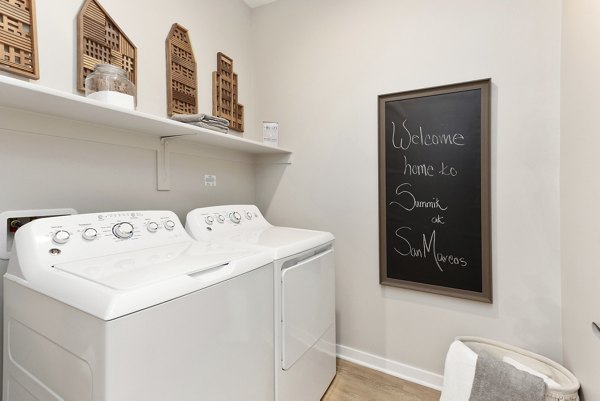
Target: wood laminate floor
x: 357, y: 383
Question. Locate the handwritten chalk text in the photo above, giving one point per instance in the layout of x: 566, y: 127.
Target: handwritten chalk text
x: 408, y: 201
x: 406, y: 138
x: 428, y: 249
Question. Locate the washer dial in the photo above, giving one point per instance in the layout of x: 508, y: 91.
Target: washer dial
x: 61, y: 237
x: 89, y: 234
x: 152, y: 227
x: 209, y: 220
x: 235, y: 217
x: 123, y: 230
x: 169, y: 225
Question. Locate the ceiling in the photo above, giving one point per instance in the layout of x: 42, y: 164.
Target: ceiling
x: 257, y: 3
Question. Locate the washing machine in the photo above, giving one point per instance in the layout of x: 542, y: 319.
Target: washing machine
x: 126, y: 306
x: 304, y: 284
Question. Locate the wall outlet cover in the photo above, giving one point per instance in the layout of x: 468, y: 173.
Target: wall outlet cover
x: 7, y: 231
x: 210, y: 180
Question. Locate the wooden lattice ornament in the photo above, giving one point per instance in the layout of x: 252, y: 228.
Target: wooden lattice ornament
x: 18, y: 38
x: 182, y: 84
x: 225, y: 94
x: 101, y: 41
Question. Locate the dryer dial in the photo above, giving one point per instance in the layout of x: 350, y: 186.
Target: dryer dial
x: 123, y: 230
x: 169, y: 225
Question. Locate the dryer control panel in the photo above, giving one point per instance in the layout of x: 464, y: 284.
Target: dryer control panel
x: 220, y: 222
x: 83, y: 236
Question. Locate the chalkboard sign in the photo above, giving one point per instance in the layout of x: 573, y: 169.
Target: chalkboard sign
x: 434, y: 190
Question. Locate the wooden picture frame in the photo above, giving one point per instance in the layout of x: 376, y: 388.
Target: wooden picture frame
x: 18, y: 38
x: 182, y: 81
x: 435, y: 190
x: 225, y: 94
x: 101, y: 41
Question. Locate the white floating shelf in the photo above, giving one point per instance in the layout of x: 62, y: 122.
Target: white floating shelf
x: 22, y: 95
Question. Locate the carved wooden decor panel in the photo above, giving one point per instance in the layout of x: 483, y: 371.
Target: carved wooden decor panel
x: 225, y: 94
x: 182, y: 83
x: 18, y: 38
x: 101, y: 41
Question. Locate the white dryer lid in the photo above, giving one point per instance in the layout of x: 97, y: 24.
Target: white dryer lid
x: 246, y: 224
x: 283, y: 241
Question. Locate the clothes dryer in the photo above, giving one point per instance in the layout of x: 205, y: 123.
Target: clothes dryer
x: 304, y: 283
x: 127, y: 307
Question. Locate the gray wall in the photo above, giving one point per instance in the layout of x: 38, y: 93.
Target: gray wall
x: 580, y: 191
x: 320, y: 75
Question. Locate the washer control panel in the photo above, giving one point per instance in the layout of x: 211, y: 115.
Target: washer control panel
x: 83, y: 236
x: 223, y: 221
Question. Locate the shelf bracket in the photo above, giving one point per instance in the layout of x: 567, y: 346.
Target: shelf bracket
x: 163, y: 163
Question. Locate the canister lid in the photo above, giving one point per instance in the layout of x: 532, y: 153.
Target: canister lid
x: 109, y: 69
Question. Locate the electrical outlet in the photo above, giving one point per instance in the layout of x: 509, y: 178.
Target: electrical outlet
x: 11, y: 221
x: 210, y: 180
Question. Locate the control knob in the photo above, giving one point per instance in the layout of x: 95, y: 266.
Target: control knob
x: 249, y: 215
x: 61, y: 237
x: 235, y: 217
x: 221, y: 218
x: 209, y: 220
x: 90, y: 234
x: 152, y: 227
x: 123, y: 230
x: 169, y: 225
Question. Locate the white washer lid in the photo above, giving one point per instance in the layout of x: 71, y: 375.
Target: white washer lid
x: 138, y: 269
x: 110, y: 287
x: 109, y: 276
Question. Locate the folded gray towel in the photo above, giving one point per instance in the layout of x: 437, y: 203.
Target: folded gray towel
x: 191, y: 118
x: 213, y: 124
x: 215, y: 120
x: 498, y: 381
x: 223, y: 130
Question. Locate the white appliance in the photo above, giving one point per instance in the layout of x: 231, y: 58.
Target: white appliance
x: 304, y: 283
x: 126, y: 306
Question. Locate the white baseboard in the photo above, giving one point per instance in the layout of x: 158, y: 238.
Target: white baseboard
x: 405, y: 372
